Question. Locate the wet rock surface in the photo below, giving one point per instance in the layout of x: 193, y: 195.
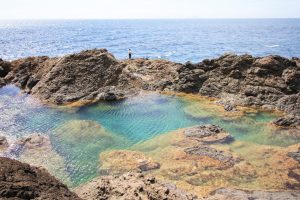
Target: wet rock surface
x: 22, y: 181
x: 130, y: 186
x: 234, y: 194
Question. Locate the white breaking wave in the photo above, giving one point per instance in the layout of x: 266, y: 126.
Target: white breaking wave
x: 272, y: 46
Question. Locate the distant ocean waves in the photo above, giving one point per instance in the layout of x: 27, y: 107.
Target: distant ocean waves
x: 176, y: 40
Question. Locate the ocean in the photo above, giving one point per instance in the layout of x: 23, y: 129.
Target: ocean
x: 175, y: 40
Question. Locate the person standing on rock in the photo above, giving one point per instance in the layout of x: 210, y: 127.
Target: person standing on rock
x: 129, y: 54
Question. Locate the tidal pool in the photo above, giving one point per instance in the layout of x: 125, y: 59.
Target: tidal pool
x: 79, y: 135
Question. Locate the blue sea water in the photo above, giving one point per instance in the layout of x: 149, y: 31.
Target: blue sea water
x: 175, y: 40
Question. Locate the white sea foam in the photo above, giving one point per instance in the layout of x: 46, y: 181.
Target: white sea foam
x: 272, y: 46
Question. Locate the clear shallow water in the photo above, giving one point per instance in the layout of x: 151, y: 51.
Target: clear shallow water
x: 176, y: 40
x: 79, y: 135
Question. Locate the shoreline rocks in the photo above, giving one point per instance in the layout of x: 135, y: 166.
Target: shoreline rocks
x: 94, y: 75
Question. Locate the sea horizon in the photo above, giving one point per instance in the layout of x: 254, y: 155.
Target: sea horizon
x: 178, y: 40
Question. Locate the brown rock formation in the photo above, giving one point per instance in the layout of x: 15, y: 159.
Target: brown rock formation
x: 21, y: 181
x: 234, y: 194
x: 271, y: 82
x: 130, y: 186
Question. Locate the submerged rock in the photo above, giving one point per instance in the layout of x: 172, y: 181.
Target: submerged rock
x: 213, y: 153
x: 208, y: 134
x: 120, y: 161
x: 130, y: 186
x: 33, y: 141
x: 22, y: 181
x: 83, y: 132
x: 37, y: 150
x: 235, y: 194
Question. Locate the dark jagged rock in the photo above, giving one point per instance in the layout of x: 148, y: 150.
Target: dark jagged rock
x: 3, y: 142
x: 2, y: 82
x: 208, y: 134
x: 295, y: 155
x: 22, y: 181
x: 5, y: 68
x: 234, y: 194
x: 262, y: 82
x: 290, y: 104
x: 130, y: 186
x: 288, y: 121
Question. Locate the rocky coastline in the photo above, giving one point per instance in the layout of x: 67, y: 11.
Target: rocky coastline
x: 271, y: 83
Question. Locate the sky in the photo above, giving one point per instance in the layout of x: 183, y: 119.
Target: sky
x: 147, y: 9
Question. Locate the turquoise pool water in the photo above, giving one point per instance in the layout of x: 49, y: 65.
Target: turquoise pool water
x: 79, y: 135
